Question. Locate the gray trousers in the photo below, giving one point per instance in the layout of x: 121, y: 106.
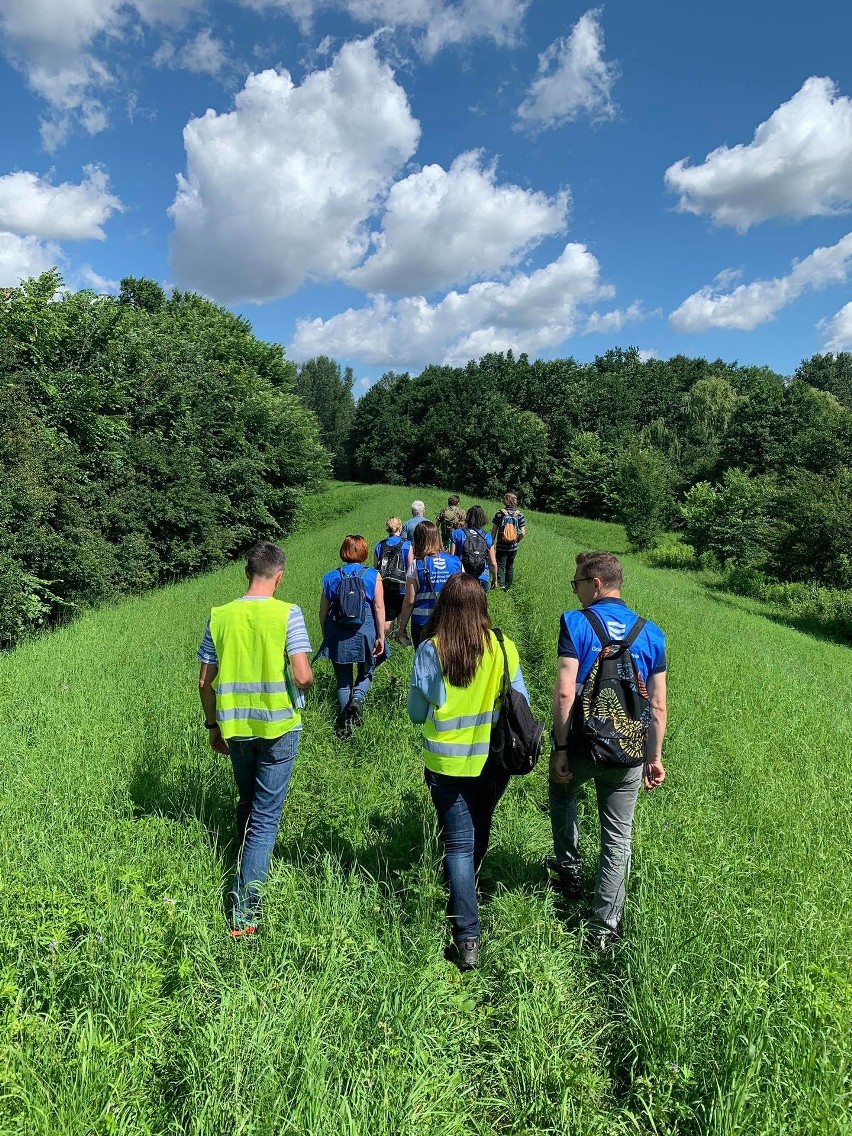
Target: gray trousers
x: 616, y: 791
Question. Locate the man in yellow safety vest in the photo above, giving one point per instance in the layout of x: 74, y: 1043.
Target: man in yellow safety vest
x: 254, y: 669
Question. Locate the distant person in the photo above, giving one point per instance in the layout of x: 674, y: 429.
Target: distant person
x: 475, y: 547
x: 254, y: 669
x: 614, y: 750
x: 428, y: 572
x: 450, y: 518
x: 391, y: 556
x: 454, y: 695
x: 418, y: 509
x: 352, y: 616
x: 509, y: 528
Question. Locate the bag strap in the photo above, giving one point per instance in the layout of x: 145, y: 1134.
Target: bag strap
x: 507, y: 682
x: 597, y: 626
x: 635, y: 631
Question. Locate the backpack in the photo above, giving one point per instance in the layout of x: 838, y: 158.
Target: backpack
x: 508, y: 529
x: 391, y: 565
x: 474, y: 553
x: 350, y: 599
x: 448, y: 520
x: 612, y: 714
x: 516, y: 736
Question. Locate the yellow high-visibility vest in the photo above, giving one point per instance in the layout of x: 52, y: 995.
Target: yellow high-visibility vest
x: 456, y: 736
x: 252, y: 699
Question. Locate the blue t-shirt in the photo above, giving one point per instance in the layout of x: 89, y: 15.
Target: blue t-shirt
x: 391, y: 542
x: 410, y: 525
x: 577, y: 639
x: 331, y: 580
x: 460, y: 536
x: 441, y: 566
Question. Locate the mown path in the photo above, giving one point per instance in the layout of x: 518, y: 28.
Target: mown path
x: 125, y: 1009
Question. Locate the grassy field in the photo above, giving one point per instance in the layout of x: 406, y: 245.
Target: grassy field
x: 124, y: 1008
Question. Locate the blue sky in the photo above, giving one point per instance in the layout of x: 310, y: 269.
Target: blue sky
x: 398, y: 182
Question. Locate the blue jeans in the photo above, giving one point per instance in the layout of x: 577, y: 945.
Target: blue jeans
x: 465, y: 807
x: 262, y: 769
x: 352, y: 687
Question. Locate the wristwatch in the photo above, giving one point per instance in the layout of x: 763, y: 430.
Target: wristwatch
x: 559, y: 749
x: 211, y: 725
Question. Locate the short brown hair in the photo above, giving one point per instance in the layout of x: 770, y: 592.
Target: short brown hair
x: 354, y: 550
x: 510, y: 500
x: 453, y: 499
x: 265, y: 560
x: 460, y: 624
x: 393, y: 525
x: 426, y: 540
x: 603, y: 565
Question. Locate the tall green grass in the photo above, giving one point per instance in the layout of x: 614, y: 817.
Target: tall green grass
x: 124, y: 1008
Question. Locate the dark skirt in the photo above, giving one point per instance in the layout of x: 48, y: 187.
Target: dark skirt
x: 350, y: 644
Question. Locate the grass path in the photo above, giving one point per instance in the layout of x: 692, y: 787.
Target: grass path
x: 124, y: 1009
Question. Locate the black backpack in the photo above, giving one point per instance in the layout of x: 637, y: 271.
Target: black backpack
x: 474, y: 553
x: 350, y: 599
x: 392, y: 565
x: 516, y: 736
x: 612, y: 713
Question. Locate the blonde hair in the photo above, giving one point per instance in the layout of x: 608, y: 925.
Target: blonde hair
x: 393, y: 526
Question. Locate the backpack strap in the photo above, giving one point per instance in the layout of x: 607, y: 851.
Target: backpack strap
x: 498, y: 635
x: 635, y: 631
x: 597, y: 626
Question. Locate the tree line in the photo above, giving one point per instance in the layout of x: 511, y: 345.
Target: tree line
x: 754, y: 468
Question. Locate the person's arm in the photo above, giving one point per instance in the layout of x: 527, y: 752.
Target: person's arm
x: 564, y: 694
x: 207, y: 694
x: 407, y: 606
x: 427, y: 688
x: 300, y: 668
x: 379, y: 618
x: 655, y: 774
x: 492, y: 561
x: 376, y: 558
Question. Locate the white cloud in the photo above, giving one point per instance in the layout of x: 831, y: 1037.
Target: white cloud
x: 618, y: 318
x: 573, y: 79
x: 528, y: 313
x: 798, y: 165
x: 54, y: 41
x: 279, y: 189
x: 88, y: 278
x: 435, y: 23
x: 837, y: 332
x: 648, y: 353
x: 750, y: 305
x: 443, y: 228
x: 21, y: 257
x: 203, y: 55
x: 31, y: 205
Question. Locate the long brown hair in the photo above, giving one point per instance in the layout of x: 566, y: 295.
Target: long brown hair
x: 460, y: 624
x: 426, y: 541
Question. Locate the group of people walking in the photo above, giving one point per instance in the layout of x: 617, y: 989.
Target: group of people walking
x: 256, y: 667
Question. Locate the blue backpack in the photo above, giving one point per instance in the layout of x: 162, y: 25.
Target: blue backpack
x: 350, y: 599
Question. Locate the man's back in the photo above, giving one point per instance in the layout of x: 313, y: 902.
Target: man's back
x: 577, y: 639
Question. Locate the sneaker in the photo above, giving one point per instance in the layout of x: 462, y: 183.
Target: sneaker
x: 601, y: 940
x: 241, y: 932
x: 567, y: 877
x: 343, y: 723
x: 465, y: 954
x: 356, y: 714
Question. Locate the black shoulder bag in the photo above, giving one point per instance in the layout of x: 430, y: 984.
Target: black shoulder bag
x: 516, y: 736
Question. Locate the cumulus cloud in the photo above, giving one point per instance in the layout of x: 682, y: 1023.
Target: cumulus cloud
x: 55, y: 43
x: 278, y: 190
x: 798, y: 165
x: 837, y: 331
x: 435, y: 24
x: 21, y: 257
x: 88, y: 278
x: 30, y: 205
x: 528, y: 313
x: 203, y: 55
x: 573, y: 79
x: 750, y: 305
x: 448, y: 227
x: 607, y: 322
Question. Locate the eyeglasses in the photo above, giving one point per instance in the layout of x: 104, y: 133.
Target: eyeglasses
x: 579, y: 580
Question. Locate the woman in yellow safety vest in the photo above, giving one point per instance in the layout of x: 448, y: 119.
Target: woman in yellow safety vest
x: 454, y: 695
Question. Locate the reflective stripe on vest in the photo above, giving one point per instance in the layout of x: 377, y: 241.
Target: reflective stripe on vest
x: 252, y: 695
x: 457, y: 735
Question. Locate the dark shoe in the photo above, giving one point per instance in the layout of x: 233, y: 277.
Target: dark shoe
x: 465, y: 955
x: 567, y: 877
x: 343, y: 724
x: 356, y: 714
x: 600, y: 939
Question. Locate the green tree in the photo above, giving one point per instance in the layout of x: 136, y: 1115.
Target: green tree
x: 327, y: 391
x: 644, y: 495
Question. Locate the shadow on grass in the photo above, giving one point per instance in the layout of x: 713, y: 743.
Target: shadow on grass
x: 826, y: 628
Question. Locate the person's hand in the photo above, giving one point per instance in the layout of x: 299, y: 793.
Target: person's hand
x: 379, y: 647
x: 559, y: 770
x: 654, y: 774
x: 217, y: 742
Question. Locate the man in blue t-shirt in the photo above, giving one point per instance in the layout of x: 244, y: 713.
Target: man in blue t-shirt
x: 418, y: 510
x: 597, y: 583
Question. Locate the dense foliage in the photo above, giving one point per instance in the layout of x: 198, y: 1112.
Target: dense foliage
x: 327, y: 390
x: 756, y: 468
x: 141, y: 438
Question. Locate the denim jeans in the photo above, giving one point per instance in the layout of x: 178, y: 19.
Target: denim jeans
x: 506, y: 567
x: 262, y: 769
x: 616, y: 791
x: 465, y: 807
x: 353, y: 682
